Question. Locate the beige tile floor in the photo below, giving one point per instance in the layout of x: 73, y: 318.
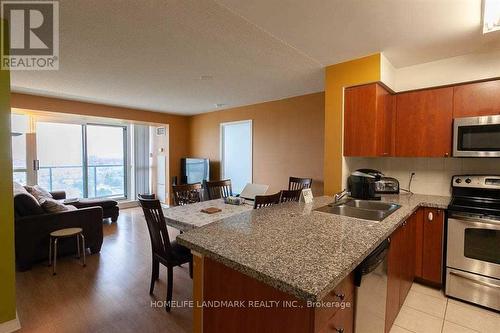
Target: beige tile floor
x: 427, y: 310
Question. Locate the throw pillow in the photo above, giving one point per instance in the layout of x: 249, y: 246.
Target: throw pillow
x: 39, y: 193
x: 50, y: 205
x: 18, y: 188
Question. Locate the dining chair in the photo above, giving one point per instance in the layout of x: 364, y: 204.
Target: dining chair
x: 163, y: 251
x: 219, y: 189
x: 290, y: 195
x: 147, y: 196
x: 186, y: 194
x: 295, y: 183
x: 266, y: 200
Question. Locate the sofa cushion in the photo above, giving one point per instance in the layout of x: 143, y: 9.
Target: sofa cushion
x: 24, y: 203
x: 53, y: 206
x: 104, y: 203
x: 39, y: 192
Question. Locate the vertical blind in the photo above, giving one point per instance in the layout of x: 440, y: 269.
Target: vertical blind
x: 141, y: 159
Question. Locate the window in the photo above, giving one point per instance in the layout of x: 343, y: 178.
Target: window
x: 236, y: 153
x: 106, y: 161
x: 19, y: 128
x: 60, y: 155
x: 83, y: 160
x: 491, y: 16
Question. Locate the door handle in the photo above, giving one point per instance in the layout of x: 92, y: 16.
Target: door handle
x: 483, y: 283
x: 430, y: 217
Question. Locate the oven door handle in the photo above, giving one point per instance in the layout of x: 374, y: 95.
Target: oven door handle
x: 484, y: 283
x: 467, y: 219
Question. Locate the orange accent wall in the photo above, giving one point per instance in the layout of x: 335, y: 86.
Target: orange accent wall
x: 288, y: 139
x: 178, y: 125
x: 338, y: 77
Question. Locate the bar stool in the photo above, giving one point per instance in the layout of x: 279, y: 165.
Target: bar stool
x: 65, y: 233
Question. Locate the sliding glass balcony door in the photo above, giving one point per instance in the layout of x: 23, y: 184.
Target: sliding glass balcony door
x: 60, y: 157
x: 106, y: 161
x: 19, y: 127
x: 83, y: 160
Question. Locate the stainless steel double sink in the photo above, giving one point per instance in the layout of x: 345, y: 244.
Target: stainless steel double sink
x: 361, y: 209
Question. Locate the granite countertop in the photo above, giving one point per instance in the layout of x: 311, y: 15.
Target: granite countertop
x: 189, y: 217
x: 295, y: 249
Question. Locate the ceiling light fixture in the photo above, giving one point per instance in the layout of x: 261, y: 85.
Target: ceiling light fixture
x: 491, y: 15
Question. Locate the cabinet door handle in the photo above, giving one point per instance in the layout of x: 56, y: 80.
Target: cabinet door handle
x: 430, y: 217
x: 338, y: 330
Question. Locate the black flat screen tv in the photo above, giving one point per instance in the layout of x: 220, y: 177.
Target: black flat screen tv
x: 194, y: 170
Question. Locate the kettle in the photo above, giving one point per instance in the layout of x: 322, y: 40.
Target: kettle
x: 361, y: 184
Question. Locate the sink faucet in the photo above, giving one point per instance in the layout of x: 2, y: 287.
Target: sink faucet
x: 340, y: 195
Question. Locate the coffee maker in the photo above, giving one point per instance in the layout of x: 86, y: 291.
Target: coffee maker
x: 362, y: 184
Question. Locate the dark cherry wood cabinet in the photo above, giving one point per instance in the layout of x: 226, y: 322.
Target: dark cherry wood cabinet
x: 288, y: 314
x: 368, y: 121
x: 411, y: 124
x: 424, y: 122
x: 400, y: 268
x: 342, y: 320
x: 419, y: 241
x: 432, y: 246
x: 476, y: 99
x: 394, y: 264
x: 429, y: 246
x: 408, y: 258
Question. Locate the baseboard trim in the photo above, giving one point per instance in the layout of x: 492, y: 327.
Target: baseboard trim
x: 10, y: 326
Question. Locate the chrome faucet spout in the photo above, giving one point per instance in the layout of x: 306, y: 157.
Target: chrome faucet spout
x: 338, y: 196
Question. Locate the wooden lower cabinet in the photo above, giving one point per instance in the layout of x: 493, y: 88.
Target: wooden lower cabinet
x: 429, y: 246
x: 432, y: 246
x: 394, y: 263
x: 342, y: 321
x: 221, y: 283
x: 400, y: 268
x: 408, y: 254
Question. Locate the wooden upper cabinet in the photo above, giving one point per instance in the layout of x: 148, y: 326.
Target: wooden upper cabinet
x: 477, y: 99
x: 424, y: 123
x: 368, y: 121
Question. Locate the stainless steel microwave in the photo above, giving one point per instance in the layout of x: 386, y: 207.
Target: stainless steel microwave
x: 476, y: 137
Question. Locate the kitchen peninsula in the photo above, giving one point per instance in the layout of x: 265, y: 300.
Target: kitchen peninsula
x: 292, y: 254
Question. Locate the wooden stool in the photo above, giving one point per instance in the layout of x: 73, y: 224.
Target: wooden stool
x: 64, y: 233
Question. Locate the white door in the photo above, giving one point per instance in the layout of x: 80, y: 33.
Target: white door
x: 236, y: 153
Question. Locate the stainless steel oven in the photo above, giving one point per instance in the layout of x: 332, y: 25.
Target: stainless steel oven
x: 476, y: 136
x: 473, y: 241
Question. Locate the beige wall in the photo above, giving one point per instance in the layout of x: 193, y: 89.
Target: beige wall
x: 288, y: 139
x: 178, y: 125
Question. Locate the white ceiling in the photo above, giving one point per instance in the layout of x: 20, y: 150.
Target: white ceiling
x: 151, y: 54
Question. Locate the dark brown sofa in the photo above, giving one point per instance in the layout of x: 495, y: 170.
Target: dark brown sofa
x: 33, y: 226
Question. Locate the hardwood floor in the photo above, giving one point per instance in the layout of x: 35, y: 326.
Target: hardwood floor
x: 111, y: 294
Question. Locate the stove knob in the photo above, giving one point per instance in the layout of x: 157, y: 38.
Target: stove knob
x: 468, y: 181
x: 458, y: 180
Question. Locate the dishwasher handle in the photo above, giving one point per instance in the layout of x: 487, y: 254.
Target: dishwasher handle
x: 371, y: 262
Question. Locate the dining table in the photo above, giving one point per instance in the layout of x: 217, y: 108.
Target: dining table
x: 188, y: 217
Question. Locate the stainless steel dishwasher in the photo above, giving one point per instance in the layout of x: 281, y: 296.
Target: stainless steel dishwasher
x: 370, y: 295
